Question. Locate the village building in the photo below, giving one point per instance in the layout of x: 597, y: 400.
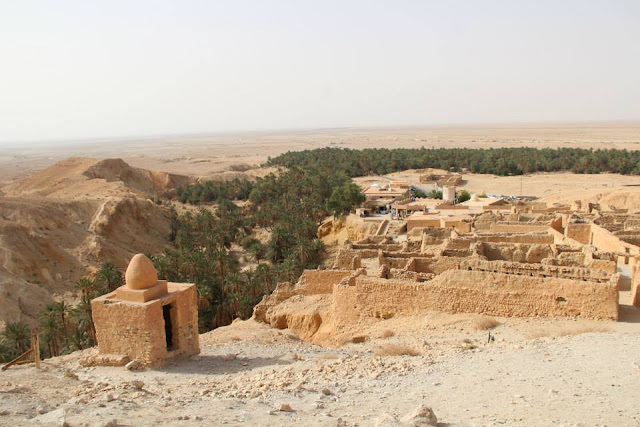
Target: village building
x: 381, y: 198
x: 441, y: 180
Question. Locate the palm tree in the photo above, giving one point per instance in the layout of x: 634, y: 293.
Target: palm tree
x: 87, y: 288
x: 17, y: 336
x: 62, y: 310
x: 84, y: 321
x: 110, y: 276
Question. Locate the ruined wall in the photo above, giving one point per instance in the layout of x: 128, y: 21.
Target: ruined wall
x: 503, y: 227
x: 311, y: 282
x: 137, y: 330
x: 635, y: 281
x: 395, y: 273
x: 604, y: 240
x: 347, y: 259
x: 539, y: 238
x: 413, y: 223
x: 420, y: 265
x: 538, y: 270
x: 316, y: 282
x: 579, y: 232
x: 474, y: 292
x: 556, y: 224
x: 518, y: 252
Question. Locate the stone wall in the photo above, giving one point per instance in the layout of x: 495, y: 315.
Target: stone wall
x: 474, y: 292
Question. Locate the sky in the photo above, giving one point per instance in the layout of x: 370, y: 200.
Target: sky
x: 73, y: 70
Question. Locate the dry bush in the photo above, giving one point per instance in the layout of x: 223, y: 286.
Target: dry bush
x: 235, y: 338
x: 358, y: 339
x: 562, y: 331
x: 346, y: 339
x: 484, y: 323
x: 396, y: 350
x: 467, y: 344
x: 388, y: 333
x: 240, y: 167
x: 292, y: 337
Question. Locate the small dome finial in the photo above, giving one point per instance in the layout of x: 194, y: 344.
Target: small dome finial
x: 141, y: 274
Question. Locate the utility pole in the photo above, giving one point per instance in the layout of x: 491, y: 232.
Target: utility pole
x: 521, y: 176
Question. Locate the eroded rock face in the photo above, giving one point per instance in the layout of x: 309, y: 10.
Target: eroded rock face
x: 141, y: 274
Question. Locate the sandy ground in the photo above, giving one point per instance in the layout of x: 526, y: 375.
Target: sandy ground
x: 538, y: 372
x: 537, y: 185
x: 205, y: 155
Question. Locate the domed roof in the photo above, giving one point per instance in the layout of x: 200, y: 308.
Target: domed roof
x: 141, y: 274
x: 474, y: 197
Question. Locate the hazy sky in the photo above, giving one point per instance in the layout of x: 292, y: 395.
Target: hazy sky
x: 93, y: 69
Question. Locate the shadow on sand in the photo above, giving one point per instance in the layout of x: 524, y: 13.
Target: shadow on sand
x: 218, y: 365
x: 629, y: 314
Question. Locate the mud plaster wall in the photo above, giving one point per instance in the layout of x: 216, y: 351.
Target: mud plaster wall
x: 517, y: 228
x: 474, y: 292
x: 347, y: 258
x: 539, y: 270
x: 137, y: 330
x: 606, y: 241
x: 519, y: 252
x: 315, y: 282
x: 532, y: 238
x: 312, y: 282
x: 579, y: 232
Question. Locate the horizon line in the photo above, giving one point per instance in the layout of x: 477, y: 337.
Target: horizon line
x: 267, y: 131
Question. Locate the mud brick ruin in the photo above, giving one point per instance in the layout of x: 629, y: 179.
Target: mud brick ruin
x: 146, y: 320
x: 527, y: 260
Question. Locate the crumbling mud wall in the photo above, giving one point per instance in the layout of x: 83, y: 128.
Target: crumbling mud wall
x: 580, y: 274
x: 601, y: 238
x: 348, y: 259
x: 474, y: 292
x: 519, y: 252
x: 579, y: 232
x: 304, y: 307
x: 532, y: 238
x: 517, y: 227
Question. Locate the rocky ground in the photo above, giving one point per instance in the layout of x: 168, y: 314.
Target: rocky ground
x: 536, y: 372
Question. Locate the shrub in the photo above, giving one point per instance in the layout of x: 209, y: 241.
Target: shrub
x: 395, y: 350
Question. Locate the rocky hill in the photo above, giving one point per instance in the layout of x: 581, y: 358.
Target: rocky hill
x: 87, y: 177
x: 61, y: 223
